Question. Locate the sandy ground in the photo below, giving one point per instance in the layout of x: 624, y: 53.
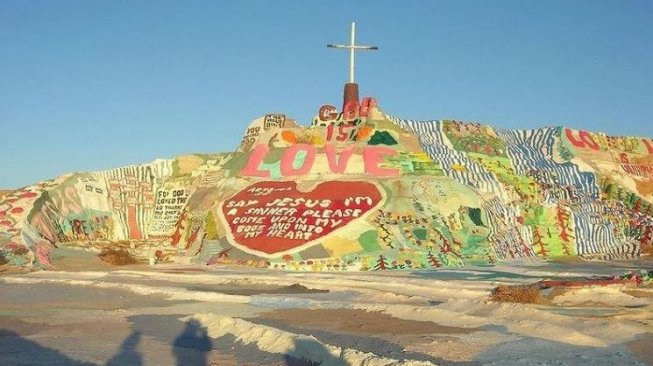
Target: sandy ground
x: 88, y: 313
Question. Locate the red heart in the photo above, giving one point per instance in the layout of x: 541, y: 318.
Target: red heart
x: 273, y: 217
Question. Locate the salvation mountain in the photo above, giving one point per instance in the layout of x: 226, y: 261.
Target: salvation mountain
x: 356, y: 190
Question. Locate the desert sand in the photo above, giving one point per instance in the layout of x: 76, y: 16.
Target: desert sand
x: 89, y: 313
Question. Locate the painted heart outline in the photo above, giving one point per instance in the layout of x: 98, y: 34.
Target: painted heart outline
x: 273, y: 218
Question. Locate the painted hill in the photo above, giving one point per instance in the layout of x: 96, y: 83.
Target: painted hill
x: 358, y: 190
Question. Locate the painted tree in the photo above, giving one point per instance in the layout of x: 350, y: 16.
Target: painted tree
x: 179, y: 228
x: 381, y: 263
x: 192, y: 237
x: 636, y: 206
x: 539, y: 243
x: 457, y: 247
x: 620, y: 194
x: 526, y: 250
x: 647, y: 236
x: 562, y: 222
x: 444, y: 245
x: 433, y: 260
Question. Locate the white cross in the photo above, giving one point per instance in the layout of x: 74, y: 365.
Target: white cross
x: 352, y: 48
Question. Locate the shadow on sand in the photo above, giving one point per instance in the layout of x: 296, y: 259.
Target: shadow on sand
x: 189, y: 348
x: 192, y: 345
x: 127, y: 354
x: 16, y: 350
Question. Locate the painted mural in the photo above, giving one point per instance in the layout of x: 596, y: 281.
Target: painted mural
x: 355, y: 190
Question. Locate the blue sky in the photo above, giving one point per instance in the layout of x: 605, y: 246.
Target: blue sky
x: 88, y: 85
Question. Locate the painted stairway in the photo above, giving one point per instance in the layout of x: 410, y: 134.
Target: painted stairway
x: 355, y: 190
